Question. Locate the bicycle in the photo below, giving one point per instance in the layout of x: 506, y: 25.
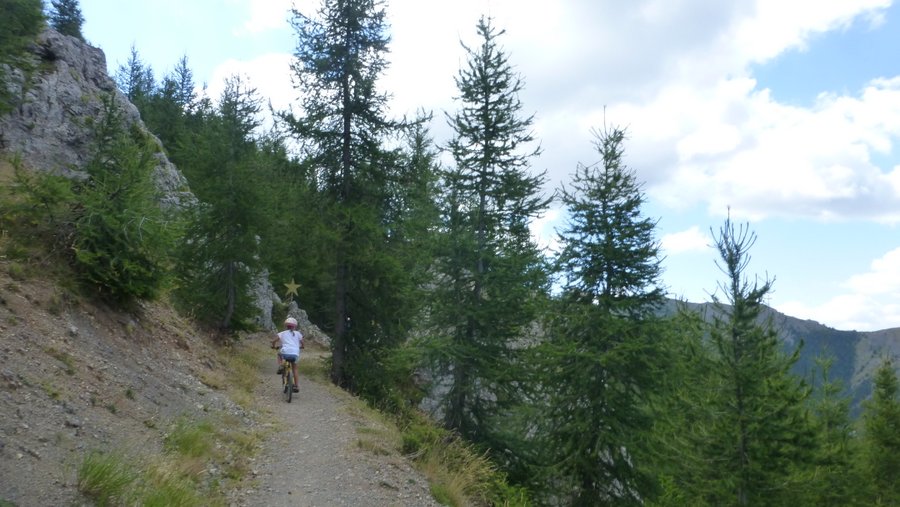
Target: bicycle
x: 287, y: 379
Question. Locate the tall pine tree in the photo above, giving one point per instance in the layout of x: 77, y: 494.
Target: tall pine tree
x: 833, y: 480
x: 221, y: 255
x: 121, y: 238
x: 756, y: 429
x: 881, y: 437
x: 490, y: 275
x: 342, y: 125
x: 135, y: 79
x: 602, y: 358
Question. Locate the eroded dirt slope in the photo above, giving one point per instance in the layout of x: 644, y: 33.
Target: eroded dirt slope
x: 77, y: 377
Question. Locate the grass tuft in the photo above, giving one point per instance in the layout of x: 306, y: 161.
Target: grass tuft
x: 106, y: 479
x: 193, y: 439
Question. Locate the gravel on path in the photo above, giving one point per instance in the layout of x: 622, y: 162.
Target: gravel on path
x: 312, y: 457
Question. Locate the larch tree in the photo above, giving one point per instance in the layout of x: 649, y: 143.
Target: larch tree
x: 758, y: 429
x: 166, y: 110
x: 342, y: 126
x: 601, y: 359
x: 490, y: 275
x: 833, y: 479
x: 881, y: 437
x: 135, y: 79
x: 221, y: 255
x: 121, y: 239
x: 66, y: 18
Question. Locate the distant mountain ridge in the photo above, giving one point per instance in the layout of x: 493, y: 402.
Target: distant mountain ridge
x: 856, y: 353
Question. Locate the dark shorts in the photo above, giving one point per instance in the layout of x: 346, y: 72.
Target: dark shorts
x: 291, y: 358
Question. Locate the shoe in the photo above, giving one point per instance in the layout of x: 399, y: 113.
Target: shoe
x: 280, y: 370
x: 296, y: 389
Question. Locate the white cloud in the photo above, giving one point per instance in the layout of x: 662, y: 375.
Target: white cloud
x: 690, y: 240
x: 871, y: 303
x: 776, y: 26
x: 269, y: 74
x: 733, y: 145
x: 882, y: 278
x: 543, y: 230
x: 265, y: 15
x: 676, y: 74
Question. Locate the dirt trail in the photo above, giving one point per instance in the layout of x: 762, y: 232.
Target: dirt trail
x: 312, y: 455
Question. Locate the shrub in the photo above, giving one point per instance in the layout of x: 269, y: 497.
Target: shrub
x: 121, y: 238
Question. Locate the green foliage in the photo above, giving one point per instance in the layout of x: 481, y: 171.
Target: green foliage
x: 458, y: 472
x: 833, y: 478
x: 114, y: 479
x: 750, y: 430
x: 490, y: 277
x: 167, y: 110
x: 609, y: 255
x: 221, y: 256
x: 382, y: 363
x: 603, y: 359
x: 20, y: 25
x: 192, y: 439
x: 37, y: 209
x: 340, y: 55
x: 121, y: 237
x: 66, y: 17
x: 881, y: 437
x: 135, y: 80
x: 419, y: 436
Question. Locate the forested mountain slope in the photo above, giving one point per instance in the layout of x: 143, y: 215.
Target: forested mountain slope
x: 412, y: 269
x: 856, y: 354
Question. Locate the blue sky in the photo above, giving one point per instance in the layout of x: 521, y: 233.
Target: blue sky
x: 786, y: 113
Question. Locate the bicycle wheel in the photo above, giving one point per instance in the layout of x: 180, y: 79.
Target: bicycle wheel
x: 289, y: 386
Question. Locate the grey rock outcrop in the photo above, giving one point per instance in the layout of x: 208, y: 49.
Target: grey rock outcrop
x: 310, y: 331
x: 49, y: 128
x: 264, y: 298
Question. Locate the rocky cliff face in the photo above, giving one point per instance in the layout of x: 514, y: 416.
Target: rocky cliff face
x: 48, y: 128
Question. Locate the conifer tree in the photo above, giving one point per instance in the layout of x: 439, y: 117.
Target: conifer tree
x: 121, y: 239
x: 19, y: 25
x: 833, y: 479
x: 66, y: 17
x: 757, y: 430
x: 490, y: 276
x: 222, y: 252
x: 166, y: 111
x: 602, y: 357
x: 135, y: 79
x: 342, y: 125
x: 881, y: 437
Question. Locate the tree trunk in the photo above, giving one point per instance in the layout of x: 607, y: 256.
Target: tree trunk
x: 339, y: 340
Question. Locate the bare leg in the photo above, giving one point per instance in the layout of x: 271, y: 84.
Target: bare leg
x: 294, y: 368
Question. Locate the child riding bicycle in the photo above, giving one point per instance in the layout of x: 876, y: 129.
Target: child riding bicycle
x: 291, y: 341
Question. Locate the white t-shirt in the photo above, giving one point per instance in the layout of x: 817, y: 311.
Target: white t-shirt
x: 290, y: 341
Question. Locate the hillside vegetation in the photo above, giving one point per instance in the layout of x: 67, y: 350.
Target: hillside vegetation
x: 146, y: 226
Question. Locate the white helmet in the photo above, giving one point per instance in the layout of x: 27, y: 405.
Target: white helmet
x: 290, y: 322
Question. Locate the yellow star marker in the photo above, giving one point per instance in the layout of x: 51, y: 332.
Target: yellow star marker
x: 291, y: 288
